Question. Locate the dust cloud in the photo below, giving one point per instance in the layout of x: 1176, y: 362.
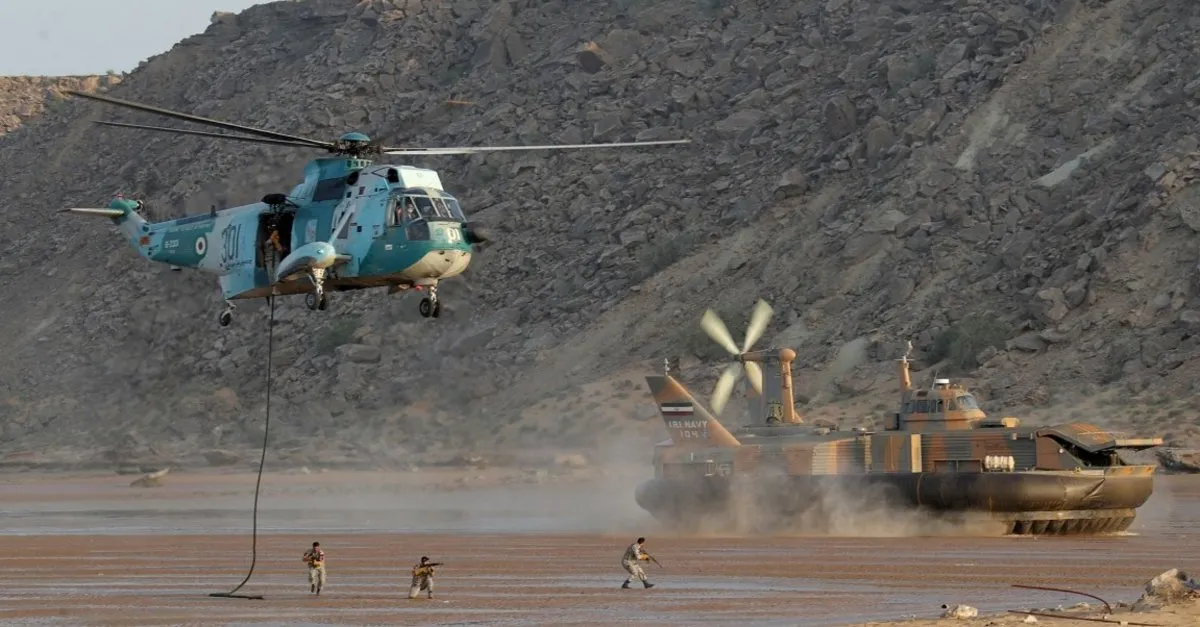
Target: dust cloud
x: 552, y: 489
x: 764, y: 505
x: 851, y: 355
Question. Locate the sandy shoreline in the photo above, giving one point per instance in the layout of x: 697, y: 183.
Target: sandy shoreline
x: 89, y: 549
x: 527, y: 579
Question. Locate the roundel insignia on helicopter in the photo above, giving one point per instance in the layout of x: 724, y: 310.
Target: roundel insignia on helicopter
x: 201, y: 245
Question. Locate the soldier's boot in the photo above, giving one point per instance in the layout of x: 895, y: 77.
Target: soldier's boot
x: 318, y: 590
x: 647, y: 584
x: 626, y: 584
x: 312, y: 588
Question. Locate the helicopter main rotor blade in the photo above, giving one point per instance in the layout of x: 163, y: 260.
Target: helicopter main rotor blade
x: 715, y: 329
x: 724, y: 386
x: 259, y: 140
x: 469, y: 150
x: 195, y: 118
x: 758, y: 323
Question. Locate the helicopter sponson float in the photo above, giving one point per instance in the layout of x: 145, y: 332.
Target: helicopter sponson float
x: 351, y: 224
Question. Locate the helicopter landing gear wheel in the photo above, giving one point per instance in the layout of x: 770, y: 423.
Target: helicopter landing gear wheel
x: 226, y: 316
x: 317, y: 300
x: 431, y: 306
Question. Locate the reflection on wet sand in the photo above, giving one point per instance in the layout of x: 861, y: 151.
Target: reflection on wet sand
x: 90, y: 551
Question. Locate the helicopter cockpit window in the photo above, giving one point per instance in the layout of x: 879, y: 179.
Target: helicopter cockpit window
x: 967, y: 402
x: 423, y: 207
x: 454, y: 208
x: 439, y: 206
x: 409, y: 206
x: 402, y: 210
x: 420, y: 206
x: 394, y: 216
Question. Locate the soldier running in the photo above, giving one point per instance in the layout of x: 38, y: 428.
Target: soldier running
x: 422, y: 578
x: 629, y: 561
x: 315, y: 558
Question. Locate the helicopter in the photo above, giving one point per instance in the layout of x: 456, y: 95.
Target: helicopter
x: 351, y: 224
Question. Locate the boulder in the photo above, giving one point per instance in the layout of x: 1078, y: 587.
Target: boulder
x: 1171, y: 587
x: 151, y: 480
x: 959, y: 611
x: 1178, y: 460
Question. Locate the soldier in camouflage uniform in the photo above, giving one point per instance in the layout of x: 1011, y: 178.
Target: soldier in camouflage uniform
x: 315, y: 558
x: 422, y: 578
x: 630, y: 560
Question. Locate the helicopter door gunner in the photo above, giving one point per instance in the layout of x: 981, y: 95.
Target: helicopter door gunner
x: 272, y: 248
x: 275, y: 239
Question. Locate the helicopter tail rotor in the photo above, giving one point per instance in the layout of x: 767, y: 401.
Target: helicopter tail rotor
x: 712, y: 324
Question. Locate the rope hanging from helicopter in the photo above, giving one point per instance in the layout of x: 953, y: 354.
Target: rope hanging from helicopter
x: 261, y: 462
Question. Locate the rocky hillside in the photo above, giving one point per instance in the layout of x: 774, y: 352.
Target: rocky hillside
x: 1009, y: 184
x: 23, y: 98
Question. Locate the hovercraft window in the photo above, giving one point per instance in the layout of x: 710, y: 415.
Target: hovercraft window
x: 967, y: 402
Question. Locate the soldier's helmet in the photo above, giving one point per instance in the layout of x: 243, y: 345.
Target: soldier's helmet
x: 424, y: 559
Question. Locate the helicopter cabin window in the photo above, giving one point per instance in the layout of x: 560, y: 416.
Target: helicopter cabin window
x: 938, y: 406
x: 967, y: 402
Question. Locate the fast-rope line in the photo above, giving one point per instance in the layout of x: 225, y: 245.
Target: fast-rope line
x: 262, y: 460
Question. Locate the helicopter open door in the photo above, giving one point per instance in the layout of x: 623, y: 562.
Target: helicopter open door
x: 273, y: 241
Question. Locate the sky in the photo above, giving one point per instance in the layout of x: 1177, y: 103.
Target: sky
x: 64, y: 37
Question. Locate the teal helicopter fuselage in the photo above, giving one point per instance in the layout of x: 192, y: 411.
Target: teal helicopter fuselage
x: 353, y: 224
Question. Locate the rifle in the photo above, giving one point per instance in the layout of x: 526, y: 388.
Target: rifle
x: 654, y: 560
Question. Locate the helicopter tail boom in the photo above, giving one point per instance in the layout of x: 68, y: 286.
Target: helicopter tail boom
x: 123, y: 213
x: 91, y: 211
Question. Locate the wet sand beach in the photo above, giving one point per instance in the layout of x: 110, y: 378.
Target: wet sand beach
x: 90, y: 550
